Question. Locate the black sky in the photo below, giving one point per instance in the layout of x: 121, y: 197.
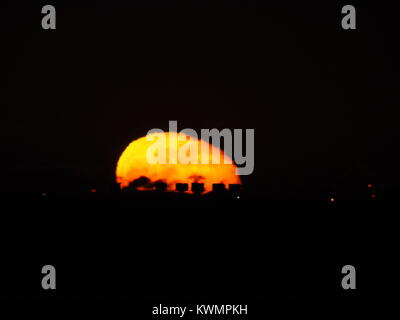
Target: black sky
x: 323, y: 101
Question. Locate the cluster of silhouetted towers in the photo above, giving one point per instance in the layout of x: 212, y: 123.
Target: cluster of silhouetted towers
x: 198, y: 188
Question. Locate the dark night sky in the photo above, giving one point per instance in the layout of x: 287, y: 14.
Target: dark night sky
x: 323, y: 101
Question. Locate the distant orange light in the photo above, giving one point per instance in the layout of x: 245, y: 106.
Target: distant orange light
x: 332, y: 199
x: 133, y: 164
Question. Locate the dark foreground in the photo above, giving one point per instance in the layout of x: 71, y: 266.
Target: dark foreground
x: 168, y: 247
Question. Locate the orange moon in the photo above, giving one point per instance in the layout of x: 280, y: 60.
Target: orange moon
x: 133, y: 164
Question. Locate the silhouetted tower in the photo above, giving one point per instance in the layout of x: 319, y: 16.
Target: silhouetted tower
x: 181, y: 187
x: 160, y: 186
x: 218, y: 188
x: 197, y: 188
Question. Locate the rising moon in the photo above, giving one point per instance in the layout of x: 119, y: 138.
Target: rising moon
x: 133, y: 164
